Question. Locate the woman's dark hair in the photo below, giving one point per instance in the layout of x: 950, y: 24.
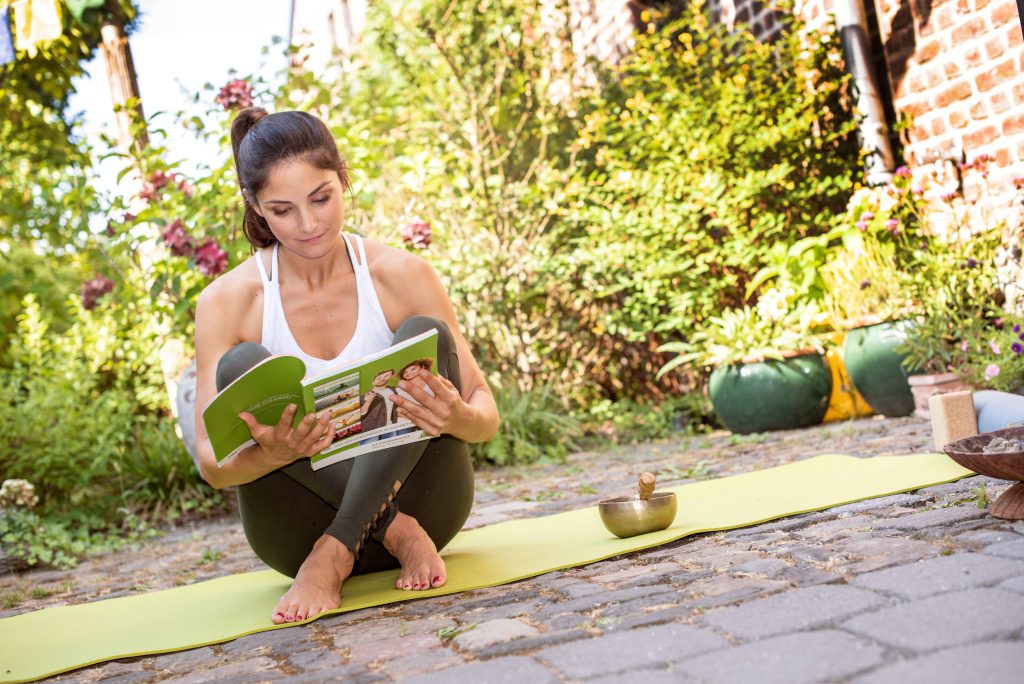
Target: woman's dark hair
x: 425, y: 364
x: 260, y: 140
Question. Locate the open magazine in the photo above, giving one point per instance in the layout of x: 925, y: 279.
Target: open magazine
x: 358, y: 395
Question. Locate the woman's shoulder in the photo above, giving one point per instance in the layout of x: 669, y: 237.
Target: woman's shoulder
x: 239, y: 286
x: 389, y: 265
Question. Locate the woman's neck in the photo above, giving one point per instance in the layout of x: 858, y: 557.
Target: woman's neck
x: 314, y: 272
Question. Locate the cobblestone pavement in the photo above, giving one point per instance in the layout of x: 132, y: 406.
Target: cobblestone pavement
x: 923, y: 586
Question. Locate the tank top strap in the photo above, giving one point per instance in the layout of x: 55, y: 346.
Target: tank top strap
x: 263, y: 270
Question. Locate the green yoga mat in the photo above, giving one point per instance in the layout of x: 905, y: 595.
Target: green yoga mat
x: 55, y: 640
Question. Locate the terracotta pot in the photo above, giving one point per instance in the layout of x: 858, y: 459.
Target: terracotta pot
x: 924, y: 386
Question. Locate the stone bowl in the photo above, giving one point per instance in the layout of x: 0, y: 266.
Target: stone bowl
x: 628, y: 516
x: 1009, y: 465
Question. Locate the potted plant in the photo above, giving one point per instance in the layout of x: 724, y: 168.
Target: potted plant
x: 870, y: 297
x: 768, y: 369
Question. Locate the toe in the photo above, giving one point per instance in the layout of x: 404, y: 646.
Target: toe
x: 438, y: 580
x: 277, y: 618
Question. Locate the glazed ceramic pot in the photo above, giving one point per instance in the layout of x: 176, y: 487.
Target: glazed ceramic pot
x: 876, y: 368
x: 771, y: 395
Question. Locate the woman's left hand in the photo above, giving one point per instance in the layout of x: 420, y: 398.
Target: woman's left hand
x: 436, y: 414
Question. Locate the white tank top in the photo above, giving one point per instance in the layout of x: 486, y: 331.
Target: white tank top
x: 371, y: 334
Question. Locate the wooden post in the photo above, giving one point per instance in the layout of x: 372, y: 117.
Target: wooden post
x: 123, y: 84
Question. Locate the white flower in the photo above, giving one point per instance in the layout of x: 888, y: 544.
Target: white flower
x: 774, y: 303
x: 18, y: 493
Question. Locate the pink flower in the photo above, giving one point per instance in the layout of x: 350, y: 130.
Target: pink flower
x: 210, y: 258
x: 186, y: 188
x: 991, y: 371
x: 963, y: 346
x: 893, y: 226
x: 128, y: 217
x: 903, y: 172
x: 93, y: 289
x: 152, y: 186
x: 417, y: 234
x: 178, y: 239
x: 994, y: 347
x: 237, y: 94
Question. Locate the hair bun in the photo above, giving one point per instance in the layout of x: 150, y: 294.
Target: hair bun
x: 243, y: 123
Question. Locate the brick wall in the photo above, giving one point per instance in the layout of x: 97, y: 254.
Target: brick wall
x: 601, y: 29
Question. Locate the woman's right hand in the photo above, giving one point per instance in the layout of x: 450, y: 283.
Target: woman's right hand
x: 285, y: 444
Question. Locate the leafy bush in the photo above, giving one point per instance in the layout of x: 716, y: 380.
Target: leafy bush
x: 83, y: 417
x: 703, y: 154
x: 534, y: 426
x: 627, y: 422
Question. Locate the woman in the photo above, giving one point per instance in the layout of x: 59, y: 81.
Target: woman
x: 314, y: 292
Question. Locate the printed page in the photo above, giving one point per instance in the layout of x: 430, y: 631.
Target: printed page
x: 360, y: 399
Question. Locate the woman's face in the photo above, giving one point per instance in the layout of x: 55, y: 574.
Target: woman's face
x: 303, y: 206
x: 411, y: 372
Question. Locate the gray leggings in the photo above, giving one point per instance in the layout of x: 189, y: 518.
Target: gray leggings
x: 354, y: 501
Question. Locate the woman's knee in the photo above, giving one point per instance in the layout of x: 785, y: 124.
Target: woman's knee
x: 237, y: 360
x: 447, y: 354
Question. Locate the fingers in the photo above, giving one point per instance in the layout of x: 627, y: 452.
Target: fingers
x: 284, y: 426
x: 320, y: 433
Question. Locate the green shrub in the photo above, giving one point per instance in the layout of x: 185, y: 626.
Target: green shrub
x: 628, y: 422
x: 534, y: 426
x: 705, y: 154
x: 83, y: 418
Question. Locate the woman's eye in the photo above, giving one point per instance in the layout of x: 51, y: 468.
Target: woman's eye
x: 321, y: 200
x: 280, y: 213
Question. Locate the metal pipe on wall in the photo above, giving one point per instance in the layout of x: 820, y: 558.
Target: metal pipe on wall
x: 874, y: 132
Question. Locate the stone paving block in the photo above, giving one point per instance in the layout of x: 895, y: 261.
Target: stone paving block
x: 529, y: 644
x: 869, y: 553
x: 792, y: 611
x: 569, y: 586
x: 620, y: 651
x: 509, y: 610
x: 258, y: 669
x: 365, y: 652
x: 1015, y: 584
x: 791, y: 659
x: 994, y: 662
x: 315, y: 659
x: 769, y: 567
x: 941, y: 574
x: 986, y: 537
x: 945, y: 620
x: 648, y: 571
x: 835, y: 529
x: 648, y: 618
x: 416, y: 664
x: 939, y: 517
x: 781, y: 525
x: 741, y: 589
x: 345, y: 673
x: 493, y: 632
x: 510, y: 670
x: 644, y: 676
x: 896, y: 500
x: 1008, y: 549
x: 587, y: 603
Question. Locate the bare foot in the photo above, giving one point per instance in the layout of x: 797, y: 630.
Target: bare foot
x: 317, y: 586
x: 422, y: 568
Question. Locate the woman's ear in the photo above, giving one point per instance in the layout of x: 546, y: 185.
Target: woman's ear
x: 252, y: 203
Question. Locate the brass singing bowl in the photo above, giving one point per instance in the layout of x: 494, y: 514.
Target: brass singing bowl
x: 628, y: 516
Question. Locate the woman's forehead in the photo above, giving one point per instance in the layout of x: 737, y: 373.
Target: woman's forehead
x: 295, y: 177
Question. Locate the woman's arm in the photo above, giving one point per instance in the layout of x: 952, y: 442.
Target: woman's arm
x: 220, y: 315
x: 471, y: 415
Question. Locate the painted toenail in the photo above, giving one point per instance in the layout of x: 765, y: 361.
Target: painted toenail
x: 437, y: 579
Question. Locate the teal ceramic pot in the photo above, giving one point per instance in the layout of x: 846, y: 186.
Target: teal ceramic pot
x: 876, y: 368
x: 771, y: 395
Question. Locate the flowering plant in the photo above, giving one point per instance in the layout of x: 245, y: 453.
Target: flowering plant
x: 994, y: 358
x: 773, y: 329
x: 864, y: 285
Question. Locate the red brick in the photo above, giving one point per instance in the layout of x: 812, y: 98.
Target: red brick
x: 960, y: 90
x: 1014, y: 37
x: 978, y: 4
x: 963, y: 6
x: 944, y: 16
x: 914, y: 109
x: 918, y: 133
x: 1003, y: 157
x: 951, y: 69
x: 1018, y: 94
x: 1013, y: 124
x: 968, y: 30
x: 980, y: 136
x: 1020, y: 151
x: 995, y: 47
x: 979, y: 111
x: 1002, y: 73
x: 928, y: 51
x: 933, y: 77
x: 972, y: 56
x: 1000, y: 102
x: 958, y: 118
x: 1004, y: 13
x: 938, y: 127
